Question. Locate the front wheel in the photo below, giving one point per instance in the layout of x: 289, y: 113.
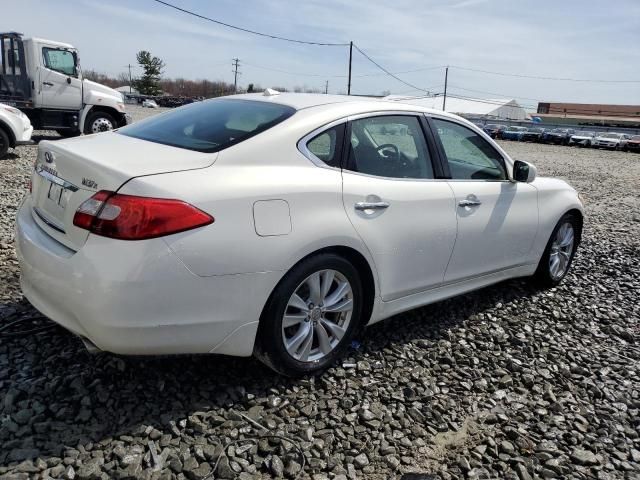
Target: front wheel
x: 311, y: 316
x: 97, y: 122
x: 558, y: 255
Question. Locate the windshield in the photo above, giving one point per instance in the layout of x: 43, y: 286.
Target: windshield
x: 585, y: 134
x: 210, y: 126
x: 610, y: 135
x: 635, y: 138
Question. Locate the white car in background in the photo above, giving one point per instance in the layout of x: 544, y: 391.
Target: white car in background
x: 609, y: 140
x: 279, y: 225
x: 15, y: 128
x: 148, y: 103
x: 582, y: 139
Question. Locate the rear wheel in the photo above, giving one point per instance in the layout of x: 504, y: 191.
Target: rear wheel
x: 311, y: 316
x: 4, y: 143
x: 97, y: 122
x: 558, y: 255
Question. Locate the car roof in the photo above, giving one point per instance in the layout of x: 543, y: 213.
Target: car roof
x: 301, y: 101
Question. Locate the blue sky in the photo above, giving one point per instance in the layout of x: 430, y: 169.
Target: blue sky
x: 578, y: 39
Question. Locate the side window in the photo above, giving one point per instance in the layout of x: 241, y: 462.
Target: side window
x: 62, y: 61
x: 389, y: 146
x: 328, y: 145
x: 470, y: 156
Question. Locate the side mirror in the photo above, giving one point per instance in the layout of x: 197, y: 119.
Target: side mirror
x: 524, y: 172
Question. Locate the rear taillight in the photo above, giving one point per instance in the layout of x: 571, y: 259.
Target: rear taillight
x: 128, y: 217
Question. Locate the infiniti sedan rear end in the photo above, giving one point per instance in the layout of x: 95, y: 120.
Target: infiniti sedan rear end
x: 279, y: 225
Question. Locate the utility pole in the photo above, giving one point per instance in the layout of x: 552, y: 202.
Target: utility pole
x: 446, y: 77
x: 326, y: 87
x: 236, y: 64
x: 129, y: 78
x: 350, y: 58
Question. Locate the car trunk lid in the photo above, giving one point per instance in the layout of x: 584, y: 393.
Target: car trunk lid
x: 68, y: 172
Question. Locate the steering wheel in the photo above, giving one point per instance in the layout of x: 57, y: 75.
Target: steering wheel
x: 389, y: 146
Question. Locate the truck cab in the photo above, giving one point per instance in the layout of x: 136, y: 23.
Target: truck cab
x: 43, y: 78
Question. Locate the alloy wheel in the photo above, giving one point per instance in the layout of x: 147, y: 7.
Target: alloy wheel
x: 317, y: 315
x: 561, y: 251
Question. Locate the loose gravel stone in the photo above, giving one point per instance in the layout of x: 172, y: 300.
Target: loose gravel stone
x: 507, y: 382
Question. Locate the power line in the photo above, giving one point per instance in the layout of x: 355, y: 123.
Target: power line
x: 262, y: 34
x: 301, y: 74
x: 543, y: 78
x: 493, y: 93
x: 387, y: 71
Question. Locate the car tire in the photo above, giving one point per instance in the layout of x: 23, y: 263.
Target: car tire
x: 68, y: 133
x: 283, y: 348
x: 99, y: 121
x: 4, y: 143
x: 546, y: 274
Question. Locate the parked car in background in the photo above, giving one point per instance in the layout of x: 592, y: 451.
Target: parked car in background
x: 581, y: 139
x: 610, y: 140
x: 532, y: 134
x: 148, y: 103
x: 558, y: 136
x: 494, y: 130
x: 513, y: 133
x: 279, y: 225
x: 632, y: 144
x: 15, y: 128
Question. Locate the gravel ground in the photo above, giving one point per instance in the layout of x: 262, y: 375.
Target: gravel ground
x: 507, y: 382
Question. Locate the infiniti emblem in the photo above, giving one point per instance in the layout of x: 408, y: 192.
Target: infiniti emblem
x: 48, y: 157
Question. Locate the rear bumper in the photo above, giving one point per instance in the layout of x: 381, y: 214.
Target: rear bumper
x: 137, y: 297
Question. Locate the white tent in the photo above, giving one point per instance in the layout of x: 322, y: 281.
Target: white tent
x: 503, y: 109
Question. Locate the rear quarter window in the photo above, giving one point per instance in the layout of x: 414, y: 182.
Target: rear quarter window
x: 210, y: 126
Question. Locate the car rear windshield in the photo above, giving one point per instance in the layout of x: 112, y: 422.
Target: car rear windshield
x: 210, y: 126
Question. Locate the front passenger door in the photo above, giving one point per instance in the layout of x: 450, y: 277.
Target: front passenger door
x: 497, y: 218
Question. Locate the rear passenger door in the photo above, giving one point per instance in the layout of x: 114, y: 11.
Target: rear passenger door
x: 497, y: 219
x: 396, y: 199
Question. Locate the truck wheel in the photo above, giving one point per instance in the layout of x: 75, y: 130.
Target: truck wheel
x: 4, y: 143
x: 97, y: 122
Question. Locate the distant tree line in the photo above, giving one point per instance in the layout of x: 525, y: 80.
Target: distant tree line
x: 152, y: 83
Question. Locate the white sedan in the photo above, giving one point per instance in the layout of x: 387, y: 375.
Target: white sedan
x: 15, y: 129
x: 279, y: 225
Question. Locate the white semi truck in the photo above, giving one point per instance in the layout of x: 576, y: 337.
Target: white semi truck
x: 43, y: 79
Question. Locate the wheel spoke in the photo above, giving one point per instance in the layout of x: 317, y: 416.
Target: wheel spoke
x: 345, y: 305
x: 555, y: 262
x: 343, y: 289
x: 297, y: 302
x: 293, y: 319
x: 567, y: 239
x: 306, y: 346
x: 327, y: 280
x: 323, y: 338
x: 294, y: 342
x: 336, y: 330
x: 313, y: 282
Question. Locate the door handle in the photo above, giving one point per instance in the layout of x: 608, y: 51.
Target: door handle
x: 371, y: 206
x: 48, y: 84
x: 469, y: 203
